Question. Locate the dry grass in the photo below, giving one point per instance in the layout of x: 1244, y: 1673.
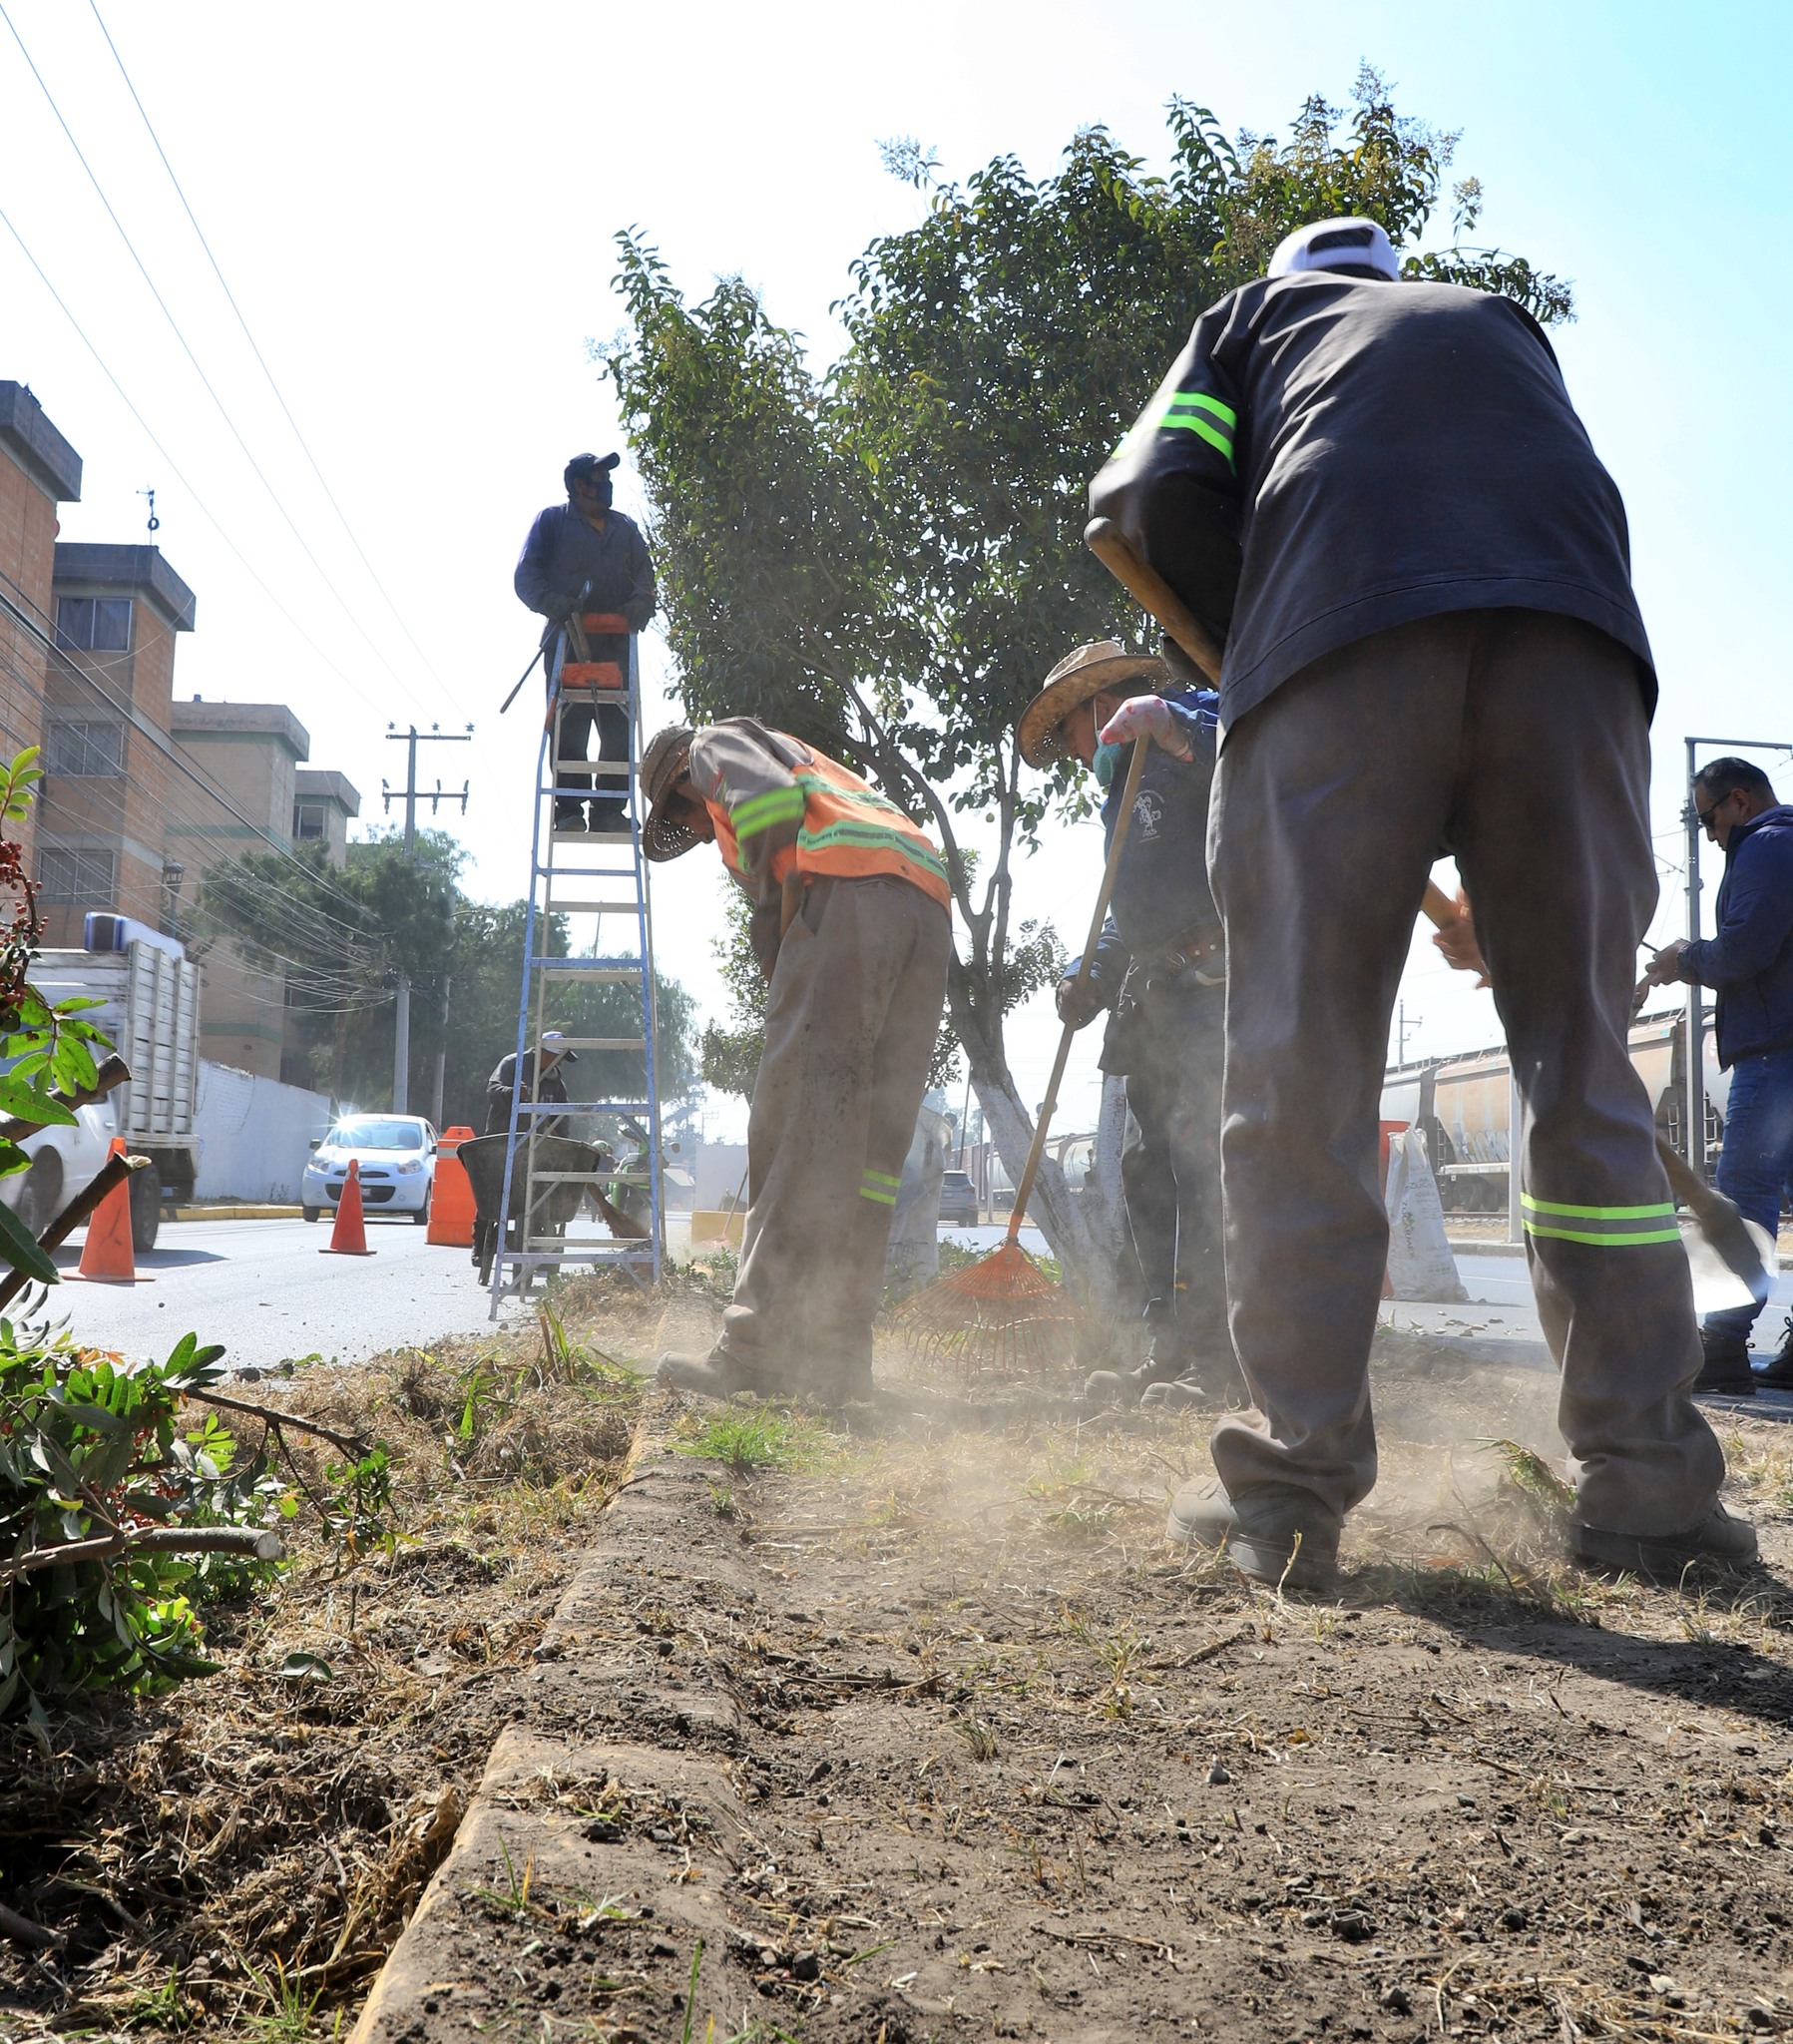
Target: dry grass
x: 238, y: 1857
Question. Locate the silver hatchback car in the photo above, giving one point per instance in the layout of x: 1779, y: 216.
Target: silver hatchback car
x: 397, y: 1158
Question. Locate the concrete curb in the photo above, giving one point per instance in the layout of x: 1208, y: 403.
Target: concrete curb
x: 235, y: 1213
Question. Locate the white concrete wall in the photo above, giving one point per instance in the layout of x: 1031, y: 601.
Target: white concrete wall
x: 256, y: 1134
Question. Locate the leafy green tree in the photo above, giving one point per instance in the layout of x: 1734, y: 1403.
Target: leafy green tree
x: 884, y: 555
x: 341, y: 935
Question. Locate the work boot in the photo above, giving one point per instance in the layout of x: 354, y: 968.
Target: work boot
x: 1777, y: 1374
x: 1128, y: 1386
x: 569, y: 816
x: 1208, y: 1381
x: 724, y: 1373
x: 1274, y: 1533
x: 1719, y: 1540
x: 609, y: 819
x: 1726, y: 1367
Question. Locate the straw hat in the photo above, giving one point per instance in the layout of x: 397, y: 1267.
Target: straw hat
x: 663, y: 765
x: 1105, y: 665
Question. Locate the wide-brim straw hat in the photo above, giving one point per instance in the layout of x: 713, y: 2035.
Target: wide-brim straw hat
x: 1106, y: 663
x: 663, y: 765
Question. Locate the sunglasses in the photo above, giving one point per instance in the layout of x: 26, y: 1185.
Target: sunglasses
x: 1704, y: 817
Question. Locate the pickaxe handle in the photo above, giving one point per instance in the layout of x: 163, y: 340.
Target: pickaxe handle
x: 1154, y: 595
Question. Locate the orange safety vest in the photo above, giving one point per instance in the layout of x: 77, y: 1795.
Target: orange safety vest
x: 847, y: 830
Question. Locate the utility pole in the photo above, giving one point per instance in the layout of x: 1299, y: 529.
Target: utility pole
x: 411, y: 795
x: 1402, y: 1028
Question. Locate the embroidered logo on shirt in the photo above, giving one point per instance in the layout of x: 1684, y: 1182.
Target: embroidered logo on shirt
x: 1149, y: 812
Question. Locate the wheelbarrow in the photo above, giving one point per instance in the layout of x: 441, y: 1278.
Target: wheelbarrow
x: 555, y: 1204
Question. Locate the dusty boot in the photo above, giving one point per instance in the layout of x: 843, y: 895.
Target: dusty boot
x: 1726, y: 1368
x: 1777, y: 1374
x: 1128, y: 1386
x: 1274, y: 1533
x: 1211, y: 1379
x: 1719, y: 1541
x: 721, y: 1374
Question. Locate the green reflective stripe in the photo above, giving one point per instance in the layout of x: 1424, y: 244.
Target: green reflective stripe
x: 1658, y: 1211
x: 1213, y: 437
x: 883, y: 1199
x: 760, y: 811
x: 870, y: 838
x: 864, y: 798
x: 882, y: 1178
x: 1200, y: 398
x: 1605, y: 1241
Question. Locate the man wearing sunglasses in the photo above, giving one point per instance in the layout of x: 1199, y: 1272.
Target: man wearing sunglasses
x: 1750, y: 964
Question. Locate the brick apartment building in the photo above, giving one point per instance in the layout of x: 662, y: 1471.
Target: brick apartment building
x: 141, y: 794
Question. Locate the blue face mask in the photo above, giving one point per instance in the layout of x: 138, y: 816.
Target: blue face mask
x: 1108, y: 758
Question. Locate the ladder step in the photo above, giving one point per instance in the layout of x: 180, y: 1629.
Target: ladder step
x: 559, y: 836
x: 604, y: 769
x: 557, y: 905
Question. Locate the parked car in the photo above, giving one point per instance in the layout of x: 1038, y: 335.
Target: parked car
x: 397, y: 1158
x: 958, y: 1200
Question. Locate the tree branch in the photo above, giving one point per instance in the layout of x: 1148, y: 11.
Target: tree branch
x: 113, y: 1072
x: 276, y: 1418
x: 262, y: 1544
x: 112, y: 1173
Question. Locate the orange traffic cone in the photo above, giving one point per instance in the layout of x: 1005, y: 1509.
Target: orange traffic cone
x: 451, y: 1200
x: 105, y: 1257
x: 349, y: 1236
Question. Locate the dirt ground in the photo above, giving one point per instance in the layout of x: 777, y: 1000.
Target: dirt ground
x: 890, y: 1732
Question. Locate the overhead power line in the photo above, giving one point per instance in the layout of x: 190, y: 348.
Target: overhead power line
x: 199, y: 368
x: 254, y: 349
x: 150, y: 434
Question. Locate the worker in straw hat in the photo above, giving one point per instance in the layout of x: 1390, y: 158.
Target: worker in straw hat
x: 1159, y: 970
x: 851, y: 926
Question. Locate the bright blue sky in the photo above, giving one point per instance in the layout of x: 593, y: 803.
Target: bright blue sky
x: 414, y: 207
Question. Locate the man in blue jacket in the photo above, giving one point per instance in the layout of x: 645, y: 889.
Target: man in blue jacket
x: 584, y: 558
x: 1750, y: 965
x: 1159, y: 968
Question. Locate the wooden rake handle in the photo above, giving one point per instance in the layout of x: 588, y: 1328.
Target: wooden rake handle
x: 1037, y: 1149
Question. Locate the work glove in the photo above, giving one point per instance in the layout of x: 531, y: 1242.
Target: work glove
x: 1147, y: 717
x: 1079, y: 1005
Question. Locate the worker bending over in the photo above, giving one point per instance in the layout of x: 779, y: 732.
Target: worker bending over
x: 1380, y: 495
x: 851, y: 928
x: 1159, y: 970
x: 551, y: 1054
x: 585, y: 568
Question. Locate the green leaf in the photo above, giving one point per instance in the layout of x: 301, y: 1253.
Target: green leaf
x: 20, y: 1249
x: 32, y: 1103
x: 301, y: 1667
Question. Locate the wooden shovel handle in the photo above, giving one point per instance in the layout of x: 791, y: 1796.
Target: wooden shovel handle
x: 1154, y: 595
x: 1037, y: 1149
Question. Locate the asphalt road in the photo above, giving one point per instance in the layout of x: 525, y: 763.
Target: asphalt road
x: 264, y: 1291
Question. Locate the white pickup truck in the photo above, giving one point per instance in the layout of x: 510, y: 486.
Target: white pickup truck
x: 149, y: 992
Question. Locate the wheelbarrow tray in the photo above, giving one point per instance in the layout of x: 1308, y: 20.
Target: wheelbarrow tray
x: 556, y: 1205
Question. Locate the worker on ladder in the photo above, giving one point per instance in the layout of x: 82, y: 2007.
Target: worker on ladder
x: 851, y: 926
x: 585, y: 568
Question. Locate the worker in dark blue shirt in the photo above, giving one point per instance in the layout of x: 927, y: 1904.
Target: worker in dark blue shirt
x: 1160, y: 969
x: 1750, y: 965
x: 584, y: 559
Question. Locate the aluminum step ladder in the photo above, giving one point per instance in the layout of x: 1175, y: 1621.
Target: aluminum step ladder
x: 597, y: 882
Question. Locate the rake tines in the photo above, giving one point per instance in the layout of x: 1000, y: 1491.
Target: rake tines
x: 999, y: 1317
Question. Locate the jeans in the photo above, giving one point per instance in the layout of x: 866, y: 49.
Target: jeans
x: 1757, y: 1158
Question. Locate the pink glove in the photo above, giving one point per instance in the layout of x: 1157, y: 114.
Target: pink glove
x: 1147, y: 717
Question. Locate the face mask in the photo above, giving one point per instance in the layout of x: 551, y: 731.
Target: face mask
x: 1108, y: 758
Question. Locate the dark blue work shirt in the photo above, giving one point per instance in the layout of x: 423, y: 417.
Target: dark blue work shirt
x: 565, y: 552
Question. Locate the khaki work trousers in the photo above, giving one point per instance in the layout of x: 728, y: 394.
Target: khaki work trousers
x: 852, y: 1015
x: 1517, y: 740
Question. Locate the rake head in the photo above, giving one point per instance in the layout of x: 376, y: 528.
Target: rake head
x: 998, y: 1318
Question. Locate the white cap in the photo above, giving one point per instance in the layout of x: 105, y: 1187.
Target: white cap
x: 1347, y: 244
x: 550, y: 1040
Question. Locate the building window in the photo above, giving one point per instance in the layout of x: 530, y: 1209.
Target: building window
x: 308, y: 823
x: 86, y: 749
x: 85, y: 879
x: 93, y: 624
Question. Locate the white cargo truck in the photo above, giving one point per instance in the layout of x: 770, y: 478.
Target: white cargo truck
x: 148, y: 996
